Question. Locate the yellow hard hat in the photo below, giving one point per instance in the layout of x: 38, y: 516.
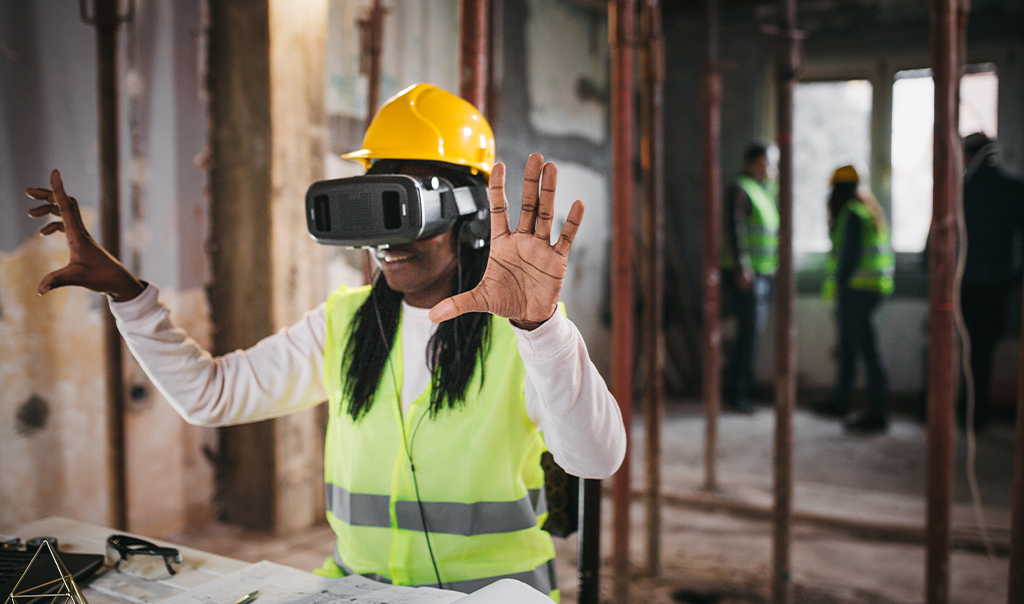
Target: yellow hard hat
x: 425, y: 122
x: 845, y: 174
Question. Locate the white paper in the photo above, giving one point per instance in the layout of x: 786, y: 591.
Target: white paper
x: 284, y: 585
x: 506, y: 591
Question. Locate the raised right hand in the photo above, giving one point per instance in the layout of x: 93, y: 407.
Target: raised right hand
x: 90, y: 265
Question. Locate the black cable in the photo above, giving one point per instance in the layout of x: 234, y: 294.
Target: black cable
x: 455, y: 321
x: 405, y: 441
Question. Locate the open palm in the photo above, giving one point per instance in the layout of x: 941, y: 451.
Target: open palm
x: 524, y: 272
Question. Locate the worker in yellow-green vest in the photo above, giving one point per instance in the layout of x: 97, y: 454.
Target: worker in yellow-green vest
x: 446, y: 379
x: 750, y: 257
x: 859, y: 273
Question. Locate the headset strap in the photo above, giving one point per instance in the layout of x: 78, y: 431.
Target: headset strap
x: 469, y: 200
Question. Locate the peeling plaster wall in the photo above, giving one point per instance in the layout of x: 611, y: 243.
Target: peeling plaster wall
x: 50, y: 348
x: 298, y: 36
x: 420, y: 45
x: 548, y: 48
x: 52, y: 423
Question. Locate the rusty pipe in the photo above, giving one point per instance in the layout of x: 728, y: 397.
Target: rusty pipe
x: 474, y: 51
x: 106, y: 21
x: 712, y: 384
x: 942, y: 365
x: 652, y: 161
x: 788, y: 58
x: 621, y: 30
x: 372, y: 28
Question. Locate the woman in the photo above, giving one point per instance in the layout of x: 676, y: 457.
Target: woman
x: 432, y: 460
x: 860, y: 274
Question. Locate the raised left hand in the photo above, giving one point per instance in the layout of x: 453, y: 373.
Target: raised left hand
x: 524, y: 272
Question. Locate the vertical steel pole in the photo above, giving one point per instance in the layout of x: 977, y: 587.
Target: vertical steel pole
x: 712, y: 233
x: 373, y: 27
x: 474, y: 51
x: 942, y: 353
x: 785, y: 327
x: 372, y: 31
x: 653, y: 266
x: 107, y: 20
x: 589, y: 551
x: 1016, y: 589
x: 621, y: 30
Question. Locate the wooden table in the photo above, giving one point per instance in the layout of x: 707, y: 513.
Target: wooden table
x: 109, y: 586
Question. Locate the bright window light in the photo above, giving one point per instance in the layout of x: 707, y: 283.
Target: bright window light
x: 913, y: 123
x: 831, y: 127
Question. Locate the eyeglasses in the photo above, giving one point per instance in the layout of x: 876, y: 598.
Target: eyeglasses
x: 140, y: 558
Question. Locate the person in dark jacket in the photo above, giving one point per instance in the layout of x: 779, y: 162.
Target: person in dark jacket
x: 860, y: 274
x: 994, y: 217
x: 750, y: 257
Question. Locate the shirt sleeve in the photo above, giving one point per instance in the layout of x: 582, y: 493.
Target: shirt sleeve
x: 569, y: 401
x: 281, y: 374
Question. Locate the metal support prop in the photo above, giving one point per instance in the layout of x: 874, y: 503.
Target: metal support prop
x: 942, y: 350
x: 652, y: 161
x: 712, y: 339
x: 371, y: 30
x: 474, y: 53
x: 785, y: 327
x: 106, y: 20
x: 589, y: 555
x: 621, y: 30
x: 1016, y: 589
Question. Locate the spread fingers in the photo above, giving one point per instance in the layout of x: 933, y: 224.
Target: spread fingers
x: 499, y: 206
x: 43, y: 210
x: 68, y: 206
x: 546, y: 208
x: 572, y: 224
x: 52, y: 227
x: 531, y: 184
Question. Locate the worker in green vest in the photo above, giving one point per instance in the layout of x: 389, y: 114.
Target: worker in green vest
x: 749, y: 259
x: 446, y: 378
x: 859, y: 274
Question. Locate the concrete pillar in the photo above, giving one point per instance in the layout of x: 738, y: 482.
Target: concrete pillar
x: 298, y: 42
x: 267, y: 142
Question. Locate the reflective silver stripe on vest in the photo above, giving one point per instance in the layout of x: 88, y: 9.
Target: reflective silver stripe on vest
x: 358, y: 509
x: 539, y: 499
x: 543, y: 579
x: 348, y: 571
x: 468, y: 519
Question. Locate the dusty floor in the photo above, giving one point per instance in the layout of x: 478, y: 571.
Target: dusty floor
x: 717, y: 557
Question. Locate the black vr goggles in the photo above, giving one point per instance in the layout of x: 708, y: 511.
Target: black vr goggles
x: 388, y: 209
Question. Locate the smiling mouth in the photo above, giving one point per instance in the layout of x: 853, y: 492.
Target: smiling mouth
x: 390, y: 256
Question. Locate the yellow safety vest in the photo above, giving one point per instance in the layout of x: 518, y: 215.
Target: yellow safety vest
x: 478, y: 469
x: 875, y: 269
x: 762, y: 230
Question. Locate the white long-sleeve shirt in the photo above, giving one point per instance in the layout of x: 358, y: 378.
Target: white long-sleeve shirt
x: 566, y: 398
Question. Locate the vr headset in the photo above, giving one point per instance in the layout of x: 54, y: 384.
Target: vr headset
x: 389, y: 209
